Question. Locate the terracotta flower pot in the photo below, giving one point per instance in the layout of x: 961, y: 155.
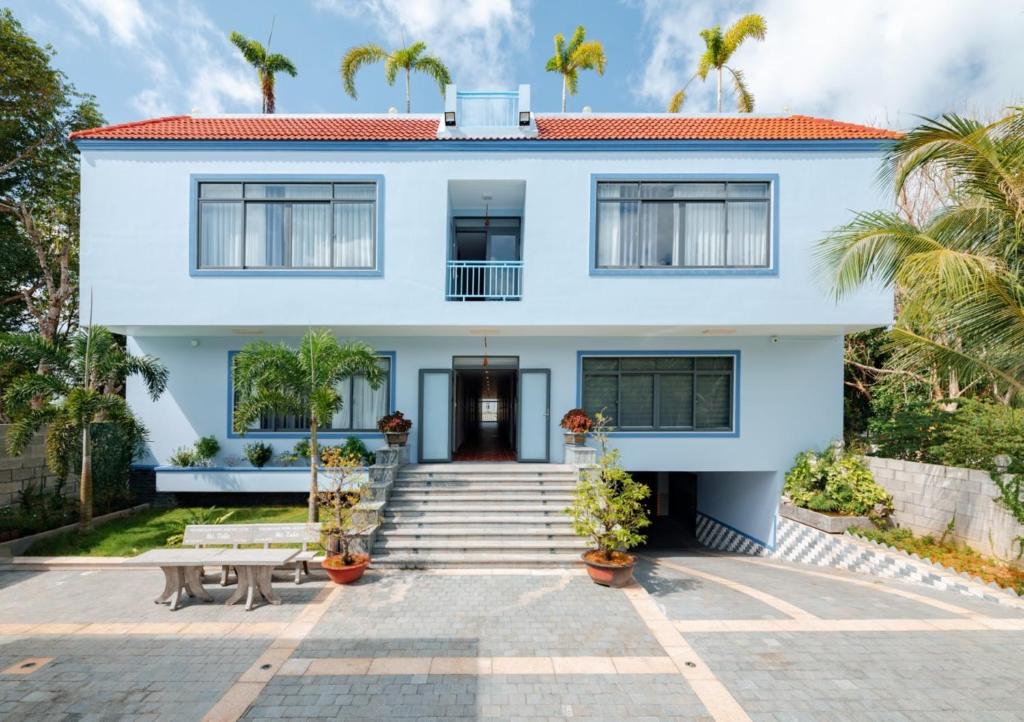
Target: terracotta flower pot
x: 341, y: 574
x: 617, y: 573
x: 574, y: 439
x: 397, y: 438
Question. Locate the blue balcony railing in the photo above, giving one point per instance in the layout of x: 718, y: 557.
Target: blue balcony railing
x: 485, y: 280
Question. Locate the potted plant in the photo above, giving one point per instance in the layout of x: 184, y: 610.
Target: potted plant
x: 341, y: 525
x: 259, y: 453
x: 608, y: 509
x: 577, y: 425
x: 395, y: 428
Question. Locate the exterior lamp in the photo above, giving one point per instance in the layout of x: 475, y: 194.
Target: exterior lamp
x: 1002, y: 462
x: 449, y: 118
x: 524, y: 117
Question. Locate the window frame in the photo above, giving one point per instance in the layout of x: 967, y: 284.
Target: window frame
x: 195, y: 207
x: 391, y: 356
x: 772, y: 179
x: 692, y: 432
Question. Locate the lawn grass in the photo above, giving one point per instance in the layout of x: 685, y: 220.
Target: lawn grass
x: 950, y: 553
x: 149, y: 529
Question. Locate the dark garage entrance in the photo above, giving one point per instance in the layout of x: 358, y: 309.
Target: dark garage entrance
x: 671, y: 507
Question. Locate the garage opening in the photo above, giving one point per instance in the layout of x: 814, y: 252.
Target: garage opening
x: 671, y: 507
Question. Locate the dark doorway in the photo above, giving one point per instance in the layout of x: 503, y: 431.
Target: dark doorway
x: 671, y: 507
x: 485, y: 414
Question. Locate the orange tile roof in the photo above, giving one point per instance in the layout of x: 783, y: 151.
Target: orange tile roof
x: 549, y: 127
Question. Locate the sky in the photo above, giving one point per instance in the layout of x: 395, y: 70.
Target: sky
x: 881, y: 62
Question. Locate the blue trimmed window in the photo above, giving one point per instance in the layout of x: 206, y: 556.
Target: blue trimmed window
x: 661, y: 393
x: 702, y: 224
x: 287, y: 226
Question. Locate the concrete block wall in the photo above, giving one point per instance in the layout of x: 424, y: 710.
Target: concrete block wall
x: 17, y: 472
x: 927, y: 496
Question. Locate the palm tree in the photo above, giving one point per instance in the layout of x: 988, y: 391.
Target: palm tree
x: 275, y: 378
x: 408, y: 59
x: 569, y: 60
x: 267, y: 65
x: 84, y: 387
x: 720, y: 48
x: 958, y: 273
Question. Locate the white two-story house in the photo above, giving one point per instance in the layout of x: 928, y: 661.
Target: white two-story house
x: 508, y: 265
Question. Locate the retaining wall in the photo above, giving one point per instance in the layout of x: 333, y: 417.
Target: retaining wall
x: 17, y: 472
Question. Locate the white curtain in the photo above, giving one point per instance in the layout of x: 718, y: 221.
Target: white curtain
x: 340, y: 419
x: 618, y: 234
x: 264, y: 234
x: 311, y: 235
x: 367, y: 405
x: 221, y: 234
x: 353, y: 235
x: 704, y: 225
x: 748, y: 234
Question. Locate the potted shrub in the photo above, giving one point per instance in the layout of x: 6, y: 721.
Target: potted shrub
x: 395, y: 428
x: 259, y: 454
x: 608, y: 509
x: 577, y: 425
x: 341, y: 525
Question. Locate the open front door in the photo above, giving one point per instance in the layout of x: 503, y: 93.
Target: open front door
x: 534, y: 415
x: 435, y: 419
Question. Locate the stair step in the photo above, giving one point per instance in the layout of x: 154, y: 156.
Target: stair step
x: 435, y: 559
x: 506, y: 506
x: 498, y: 544
x: 447, y: 486
x: 456, y: 532
x: 400, y: 495
x: 480, y: 518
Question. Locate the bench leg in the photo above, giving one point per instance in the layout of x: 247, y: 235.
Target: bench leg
x: 298, y: 574
x: 224, y: 576
x: 243, y: 585
x: 263, y: 577
x: 194, y: 584
x: 174, y: 582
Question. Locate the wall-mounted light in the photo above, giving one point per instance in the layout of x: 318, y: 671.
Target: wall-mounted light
x: 194, y: 342
x: 449, y: 118
x: 524, y: 117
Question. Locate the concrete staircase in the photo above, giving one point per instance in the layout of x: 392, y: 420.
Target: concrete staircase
x: 501, y: 514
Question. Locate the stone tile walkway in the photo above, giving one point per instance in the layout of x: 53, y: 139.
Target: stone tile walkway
x: 699, y: 637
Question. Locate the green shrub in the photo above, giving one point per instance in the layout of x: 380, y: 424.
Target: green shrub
x: 834, y: 481
x: 184, y: 456
x: 978, y: 431
x: 213, y: 515
x: 356, y: 449
x: 259, y: 453
x: 207, y: 448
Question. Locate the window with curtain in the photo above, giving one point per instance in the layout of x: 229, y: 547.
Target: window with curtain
x: 683, y: 225
x: 669, y: 393
x: 361, y: 407
x: 288, y: 226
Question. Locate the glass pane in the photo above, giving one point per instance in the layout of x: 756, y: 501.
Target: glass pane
x: 600, y: 364
x: 288, y: 190
x: 660, y: 234
x: 220, y: 235
x: 311, y: 235
x: 714, y: 363
x: 704, y: 234
x: 675, y: 400
x: 714, y: 402
x: 342, y: 416
x: 368, y: 404
x: 600, y: 393
x: 638, y: 364
x: 675, y: 363
x: 637, y: 401
x: 265, y: 234
x: 618, y: 190
x: 618, y: 242
x: 220, y: 190
x: 354, y: 235
x: 748, y: 234
x: 683, y: 190
x: 748, y: 190
x: 355, y: 191
x: 493, y: 362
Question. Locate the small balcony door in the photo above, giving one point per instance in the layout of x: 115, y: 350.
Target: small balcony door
x: 485, y: 261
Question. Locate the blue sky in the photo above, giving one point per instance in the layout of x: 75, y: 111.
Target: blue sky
x: 873, y: 61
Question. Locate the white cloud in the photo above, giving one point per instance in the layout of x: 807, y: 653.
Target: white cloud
x: 475, y: 38
x: 873, y: 61
x: 188, y: 61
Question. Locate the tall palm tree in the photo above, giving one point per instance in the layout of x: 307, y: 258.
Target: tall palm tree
x: 959, y: 274
x: 267, y: 65
x: 410, y: 58
x: 83, y: 388
x: 569, y: 60
x: 720, y: 49
x: 275, y: 378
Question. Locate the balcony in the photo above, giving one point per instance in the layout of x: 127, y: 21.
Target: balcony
x: 485, y: 281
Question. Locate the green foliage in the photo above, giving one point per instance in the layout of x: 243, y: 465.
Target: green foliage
x: 267, y: 65
x: 201, y: 453
x: 299, y: 453
x: 608, y: 504
x: 719, y: 49
x: 572, y: 57
x: 835, y: 481
x: 38, y: 509
x: 355, y: 448
x: 184, y: 456
x: 194, y: 517
x: 412, y: 58
x: 207, y: 448
x: 339, y: 504
x: 259, y: 453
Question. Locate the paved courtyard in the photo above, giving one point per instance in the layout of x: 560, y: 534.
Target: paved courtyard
x: 700, y: 637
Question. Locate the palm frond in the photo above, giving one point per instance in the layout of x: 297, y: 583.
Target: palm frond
x: 278, y: 63
x: 578, y: 36
x: 749, y: 26
x: 712, y: 57
x: 431, y: 65
x: 589, y: 56
x: 354, y: 59
x: 744, y: 98
x: 557, y: 61
x: 675, y: 103
x: 253, y: 52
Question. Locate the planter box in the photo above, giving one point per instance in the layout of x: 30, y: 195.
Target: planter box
x: 825, y: 522
x: 237, y: 479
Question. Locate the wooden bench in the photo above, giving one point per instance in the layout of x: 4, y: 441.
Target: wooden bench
x: 261, y: 535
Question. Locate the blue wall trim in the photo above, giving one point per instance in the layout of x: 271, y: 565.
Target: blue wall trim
x: 734, y: 433
x: 772, y: 270
x: 730, y: 527
x: 230, y: 408
x: 489, y: 146
x: 193, y: 225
